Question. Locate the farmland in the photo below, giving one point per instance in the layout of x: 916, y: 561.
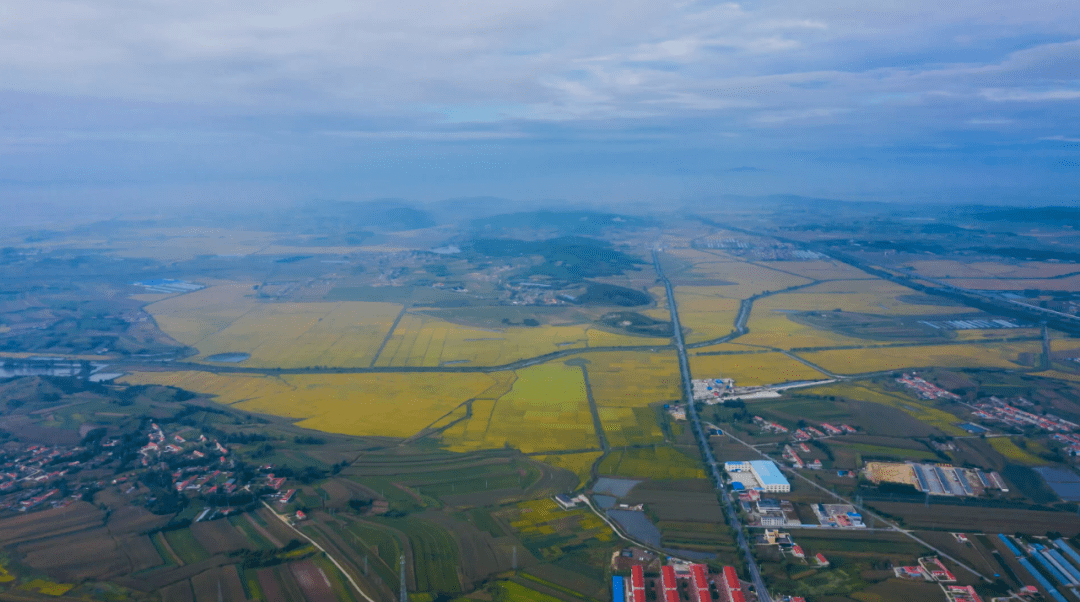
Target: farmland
x: 425, y: 392
x: 751, y: 368
x: 659, y: 462
x: 229, y: 319
x: 856, y: 361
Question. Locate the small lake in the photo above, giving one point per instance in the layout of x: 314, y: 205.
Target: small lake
x: 228, y: 358
x: 614, y: 487
x: 637, y: 525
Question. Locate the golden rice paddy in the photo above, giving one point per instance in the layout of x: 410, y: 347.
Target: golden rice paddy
x: 391, y: 405
x: 659, y: 462
x: 973, y: 355
x: 228, y: 319
x: 746, y: 279
x: 703, y: 314
x: 771, y: 329
x: 1071, y: 283
x: 424, y: 340
x: 579, y: 464
x: 752, y: 369
x: 947, y: 268
x: 817, y: 269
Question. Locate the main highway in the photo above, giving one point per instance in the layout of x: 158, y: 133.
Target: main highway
x: 703, y: 442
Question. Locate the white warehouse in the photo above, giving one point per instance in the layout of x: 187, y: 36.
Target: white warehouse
x: 768, y: 476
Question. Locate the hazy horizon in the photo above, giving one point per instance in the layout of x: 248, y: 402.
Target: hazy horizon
x: 613, y: 103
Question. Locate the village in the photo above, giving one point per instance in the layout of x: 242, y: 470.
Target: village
x: 36, y: 477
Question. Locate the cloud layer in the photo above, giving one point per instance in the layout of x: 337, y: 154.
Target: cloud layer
x: 839, y: 78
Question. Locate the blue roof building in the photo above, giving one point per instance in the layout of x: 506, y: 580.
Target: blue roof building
x: 618, y: 589
x: 769, y: 476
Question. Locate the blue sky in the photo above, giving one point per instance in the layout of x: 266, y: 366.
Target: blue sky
x: 147, y: 104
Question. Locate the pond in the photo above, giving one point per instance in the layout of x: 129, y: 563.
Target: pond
x: 229, y: 358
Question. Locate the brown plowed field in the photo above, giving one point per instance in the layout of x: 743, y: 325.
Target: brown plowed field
x: 141, y: 553
x: 223, y: 580
x: 49, y: 523
x: 88, y: 554
x: 220, y: 537
x: 313, y: 581
x: 270, y: 587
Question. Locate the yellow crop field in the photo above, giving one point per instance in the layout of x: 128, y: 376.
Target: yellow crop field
x: 1006, y: 447
x: 1011, y: 333
x: 973, y: 355
x: 658, y: 462
x: 1059, y: 375
x: 988, y: 269
x: 867, y: 302
x: 579, y: 464
x: 817, y: 269
x: 704, y: 314
x: 192, y: 317
x: 940, y: 419
x: 630, y: 379
x: 546, y: 410
x: 1071, y: 283
x: 424, y: 340
x: 631, y: 426
x: 747, y: 279
x: 771, y: 329
x: 48, y: 588
x: 227, y: 319
x: 392, y: 405
x: 752, y: 369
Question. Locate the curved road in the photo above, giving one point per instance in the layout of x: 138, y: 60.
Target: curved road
x: 703, y: 443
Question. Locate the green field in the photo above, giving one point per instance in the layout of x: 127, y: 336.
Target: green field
x: 186, y: 547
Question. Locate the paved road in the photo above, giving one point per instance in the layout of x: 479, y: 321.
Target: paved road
x: 706, y: 451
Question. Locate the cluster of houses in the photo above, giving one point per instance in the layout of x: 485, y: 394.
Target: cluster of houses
x: 159, y: 444
x: 924, y: 389
x: 42, y: 476
x: 30, y: 474
x: 787, y: 545
x: 792, y: 456
x: 695, y: 579
x: 997, y: 410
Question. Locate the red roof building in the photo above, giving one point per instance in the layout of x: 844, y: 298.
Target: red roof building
x: 732, y: 586
x: 637, y: 584
x: 669, y: 584
x: 700, y: 582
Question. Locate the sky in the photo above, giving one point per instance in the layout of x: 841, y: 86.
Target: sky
x: 115, y: 104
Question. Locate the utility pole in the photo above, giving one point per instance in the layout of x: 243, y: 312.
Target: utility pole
x: 404, y: 593
x: 514, y: 561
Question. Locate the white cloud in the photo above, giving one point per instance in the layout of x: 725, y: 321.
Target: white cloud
x: 1022, y: 95
x: 794, y: 63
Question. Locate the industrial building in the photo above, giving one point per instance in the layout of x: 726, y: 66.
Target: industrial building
x: 766, y: 476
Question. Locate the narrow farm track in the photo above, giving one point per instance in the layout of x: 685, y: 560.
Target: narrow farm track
x: 323, y: 550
